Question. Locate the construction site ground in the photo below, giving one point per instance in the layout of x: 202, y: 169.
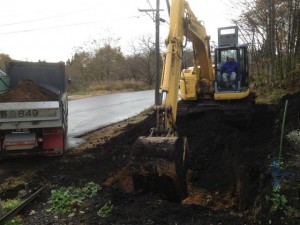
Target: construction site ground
x: 230, y: 173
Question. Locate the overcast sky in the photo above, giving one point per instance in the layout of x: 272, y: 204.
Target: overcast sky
x: 49, y: 30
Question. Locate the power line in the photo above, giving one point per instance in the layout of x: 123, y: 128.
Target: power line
x: 44, y: 18
x: 151, y: 10
x: 149, y: 4
x: 62, y: 26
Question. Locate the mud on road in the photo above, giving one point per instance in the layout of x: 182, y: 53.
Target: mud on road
x: 229, y: 173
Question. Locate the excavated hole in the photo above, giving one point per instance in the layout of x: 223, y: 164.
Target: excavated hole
x: 225, y: 162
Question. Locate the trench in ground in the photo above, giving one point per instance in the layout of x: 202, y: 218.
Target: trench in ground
x: 226, y: 163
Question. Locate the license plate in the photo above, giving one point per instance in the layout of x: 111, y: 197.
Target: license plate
x: 28, y: 114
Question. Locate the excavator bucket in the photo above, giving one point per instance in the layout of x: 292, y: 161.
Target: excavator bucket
x: 159, y: 166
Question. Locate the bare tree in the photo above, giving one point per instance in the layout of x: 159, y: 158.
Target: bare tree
x: 98, y: 61
x: 144, y: 54
x: 77, y: 70
x: 272, y: 28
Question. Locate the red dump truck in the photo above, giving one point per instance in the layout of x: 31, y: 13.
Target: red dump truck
x: 34, y: 109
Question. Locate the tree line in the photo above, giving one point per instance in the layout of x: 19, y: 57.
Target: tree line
x: 270, y: 27
x: 103, y: 62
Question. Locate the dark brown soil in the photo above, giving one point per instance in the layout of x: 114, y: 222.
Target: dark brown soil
x: 26, y: 91
x: 229, y: 174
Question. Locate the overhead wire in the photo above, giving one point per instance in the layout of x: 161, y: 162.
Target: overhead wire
x: 62, y: 26
x: 53, y: 17
x: 149, y: 4
x: 152, y: 17
x: 44, y: 18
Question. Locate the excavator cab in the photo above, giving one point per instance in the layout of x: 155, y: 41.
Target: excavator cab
x: 241, y: 80
x: 229, y: 47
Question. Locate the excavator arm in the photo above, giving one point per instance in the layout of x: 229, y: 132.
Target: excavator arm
x: 183, y: 23
x: 171, y: 70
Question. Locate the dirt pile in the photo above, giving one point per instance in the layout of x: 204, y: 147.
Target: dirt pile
x: 27, y: 90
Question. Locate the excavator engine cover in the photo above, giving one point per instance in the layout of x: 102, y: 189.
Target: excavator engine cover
x: 159, y: 166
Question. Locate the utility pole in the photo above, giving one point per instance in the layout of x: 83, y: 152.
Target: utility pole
x: 157, y: 50
x: 157, y: 56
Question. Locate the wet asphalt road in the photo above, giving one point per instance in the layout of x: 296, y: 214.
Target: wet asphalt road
x: 88, y: 114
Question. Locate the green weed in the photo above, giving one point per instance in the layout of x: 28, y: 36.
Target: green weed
x: 65, y: 199
x: 105, y: 210
x: 278, y: 200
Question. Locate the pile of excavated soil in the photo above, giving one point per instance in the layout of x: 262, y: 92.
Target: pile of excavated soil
x: 27, y: 90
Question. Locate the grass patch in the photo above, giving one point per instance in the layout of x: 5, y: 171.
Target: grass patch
x: 272, y: 92
x: 15, y: 221
x: 65, y: 199
x: 9, y: 205
x: 266, y: 96
x: 100, y: 88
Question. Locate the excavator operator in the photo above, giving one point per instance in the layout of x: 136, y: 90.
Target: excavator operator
x: 229, y: 71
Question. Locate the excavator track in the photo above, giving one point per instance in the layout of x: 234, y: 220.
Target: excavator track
x: 159, y: 166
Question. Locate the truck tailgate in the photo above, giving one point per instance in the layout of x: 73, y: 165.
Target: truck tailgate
x: 18, y: 115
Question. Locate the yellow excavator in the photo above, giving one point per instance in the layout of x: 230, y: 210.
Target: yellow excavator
x: 161, y: 157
